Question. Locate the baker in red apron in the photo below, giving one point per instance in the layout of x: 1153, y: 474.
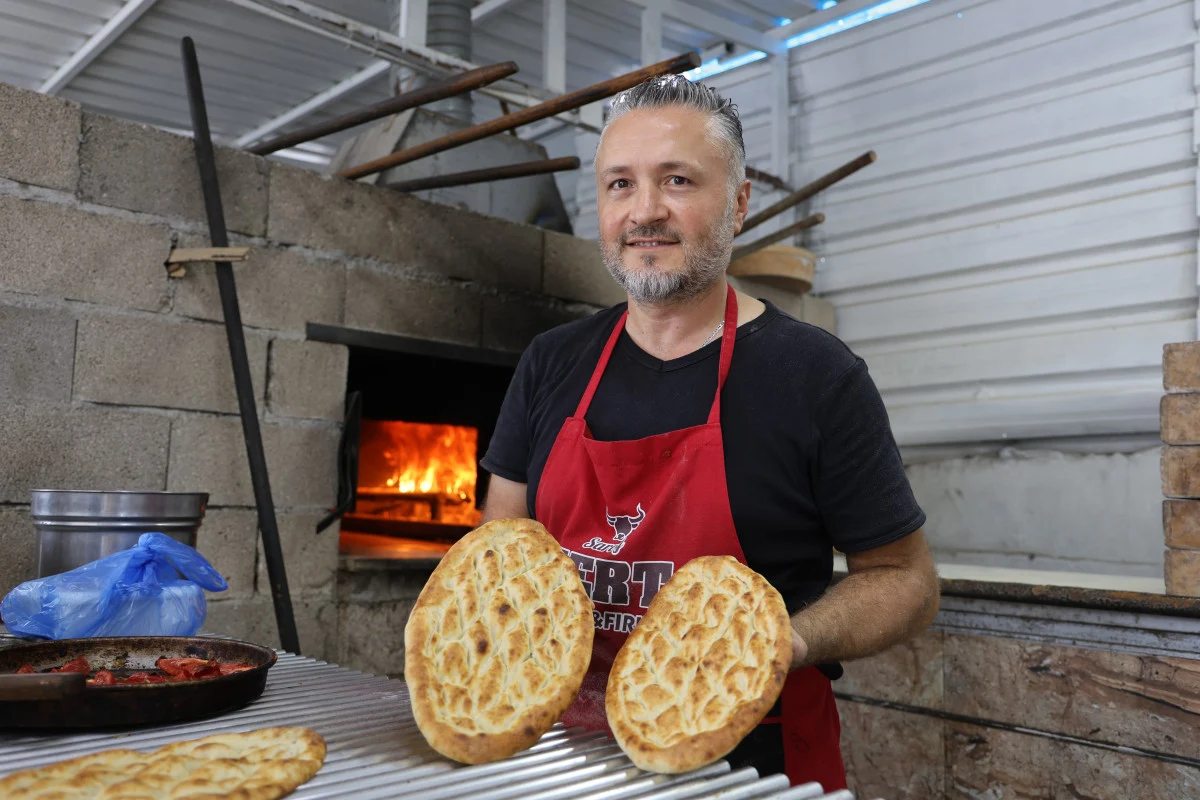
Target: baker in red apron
x: 631, y: 512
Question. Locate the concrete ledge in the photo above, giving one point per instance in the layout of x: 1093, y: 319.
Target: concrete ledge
x: 140, y: 168
x: 61, y: 252
x: 120, y: 360
x: 39, y: 139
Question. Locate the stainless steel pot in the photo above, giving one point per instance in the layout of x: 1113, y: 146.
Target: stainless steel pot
x: 78, y: 527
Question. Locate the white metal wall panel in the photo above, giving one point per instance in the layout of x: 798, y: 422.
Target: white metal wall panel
x: 1012, y: 265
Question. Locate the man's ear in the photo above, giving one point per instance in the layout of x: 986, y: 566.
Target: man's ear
x: 742, y: 201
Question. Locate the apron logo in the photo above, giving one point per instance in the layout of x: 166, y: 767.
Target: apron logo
x: 622, y: 527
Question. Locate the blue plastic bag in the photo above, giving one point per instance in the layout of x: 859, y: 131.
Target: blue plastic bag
x: 135, y: 592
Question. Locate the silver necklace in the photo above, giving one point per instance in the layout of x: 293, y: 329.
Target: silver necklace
x: 716, y: 330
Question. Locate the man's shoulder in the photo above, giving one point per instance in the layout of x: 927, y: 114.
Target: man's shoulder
x: 808, y: 352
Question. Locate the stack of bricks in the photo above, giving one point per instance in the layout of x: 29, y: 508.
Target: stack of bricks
x: 1180, y: 429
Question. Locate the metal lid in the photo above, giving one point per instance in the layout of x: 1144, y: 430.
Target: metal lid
x: 118, y: 505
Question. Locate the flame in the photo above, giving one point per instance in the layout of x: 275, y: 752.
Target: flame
x: 435, y: 464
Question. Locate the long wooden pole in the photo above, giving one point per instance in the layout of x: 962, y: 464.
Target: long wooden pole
x: 568, y: 102
x: 777, y: 236
x: 505, y: 172
x: 800, y: 195
x: 447, y: 87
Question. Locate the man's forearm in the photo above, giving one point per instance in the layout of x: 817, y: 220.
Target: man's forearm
x: 864, y: 613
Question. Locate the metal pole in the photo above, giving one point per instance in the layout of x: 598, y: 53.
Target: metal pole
x: 819, y: 185
x: 206, y: 161
x: 777, y: 236
x: 447, y: 87
x: 505, y: 172
x: 567, y: 102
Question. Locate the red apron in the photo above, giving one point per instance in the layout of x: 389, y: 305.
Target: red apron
x: 628, y: 513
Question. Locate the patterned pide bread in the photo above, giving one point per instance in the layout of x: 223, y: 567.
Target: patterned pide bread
x: 498, y: 642
x: 259, y: 765
x: 701, y: 669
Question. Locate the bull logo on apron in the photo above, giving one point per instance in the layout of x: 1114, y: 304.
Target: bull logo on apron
x: 622, y: 526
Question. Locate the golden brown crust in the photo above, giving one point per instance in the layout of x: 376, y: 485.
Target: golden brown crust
x: 259, y: 765
x: 701, y: 669
x: 498, y: 642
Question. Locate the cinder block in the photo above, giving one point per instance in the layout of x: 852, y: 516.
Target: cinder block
x: 39, y: 138
x: 127, y: 361
x: 47, y: 447
x: 1181, y: 367
x: 1183, y: 572
x: 511, y: 323
x: 574, y: 270
x: 227, y: 539
x: 250, y: 618
x: 36, y: 357
x: 363, y: 220
x: 1181, y: 471
x: 310, y: 558
x: 383, y: 302
x: 1179, y: 418
x: 127, y: 165
x: 307, y: 379
x: 208, y: 454
x: 18, y: 542
x: 1181, y: 523
x: 276, y: 288
x: 371, y: 636
x: 61, y: 252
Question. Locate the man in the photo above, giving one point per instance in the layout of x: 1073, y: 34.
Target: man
x: 695, y: 420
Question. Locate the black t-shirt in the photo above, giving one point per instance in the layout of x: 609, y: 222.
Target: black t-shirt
x: 810, y: 460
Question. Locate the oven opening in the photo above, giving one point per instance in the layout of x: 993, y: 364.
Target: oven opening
x: 424, y: 420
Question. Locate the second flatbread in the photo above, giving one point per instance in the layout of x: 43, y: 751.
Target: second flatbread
x: 701, y: 669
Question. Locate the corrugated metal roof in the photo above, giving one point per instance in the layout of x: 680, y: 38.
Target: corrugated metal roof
x: 256, y: 68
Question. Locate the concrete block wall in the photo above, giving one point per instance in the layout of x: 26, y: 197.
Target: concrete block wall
x: 115, y: 376
x: 1021, y: 709
x: 1179, y: 424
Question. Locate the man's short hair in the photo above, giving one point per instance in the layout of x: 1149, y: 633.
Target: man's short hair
x: 677, y: 91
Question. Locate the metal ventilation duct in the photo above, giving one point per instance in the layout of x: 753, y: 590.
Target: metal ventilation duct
x: 449, y: 30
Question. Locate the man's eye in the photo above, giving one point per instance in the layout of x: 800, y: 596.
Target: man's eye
x: 620, y: 183
x: 678, y: 180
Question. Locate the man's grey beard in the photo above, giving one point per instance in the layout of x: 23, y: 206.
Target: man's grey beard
x: 704, y: 262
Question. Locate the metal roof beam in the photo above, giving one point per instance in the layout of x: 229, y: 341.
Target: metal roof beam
x: 707, y: 21
x: 390, y: 47
x: 488, y: 7
x: 317, y: 101
x: 129, y: 13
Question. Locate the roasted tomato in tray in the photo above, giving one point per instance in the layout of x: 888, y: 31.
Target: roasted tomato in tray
x: 173, y: 670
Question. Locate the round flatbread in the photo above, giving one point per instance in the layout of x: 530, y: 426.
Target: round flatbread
x: 701, y: 669
x: 259, y: 765
x: 497, y: 643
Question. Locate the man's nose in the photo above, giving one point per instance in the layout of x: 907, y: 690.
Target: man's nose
x: 648, y: 206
